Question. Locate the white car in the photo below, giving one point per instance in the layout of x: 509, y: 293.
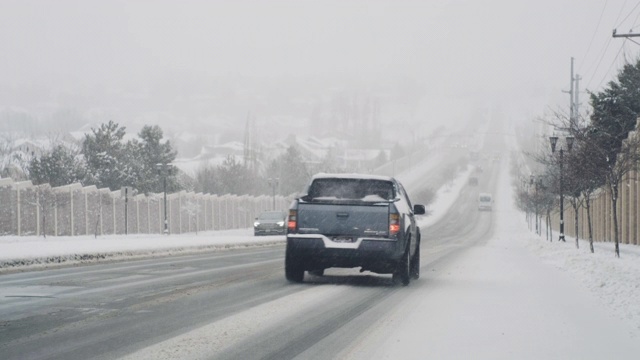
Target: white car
x: 485, y: 202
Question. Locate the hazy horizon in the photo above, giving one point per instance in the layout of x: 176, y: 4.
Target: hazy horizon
x: 188, y: 63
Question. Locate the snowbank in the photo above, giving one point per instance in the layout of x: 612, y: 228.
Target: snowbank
x: 28, y: 252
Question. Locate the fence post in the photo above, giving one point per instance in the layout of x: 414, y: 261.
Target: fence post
x: 636, y: 208
x: 19, y: 210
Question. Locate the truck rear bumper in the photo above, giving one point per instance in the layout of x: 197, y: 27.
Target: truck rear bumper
x: 318, y: 252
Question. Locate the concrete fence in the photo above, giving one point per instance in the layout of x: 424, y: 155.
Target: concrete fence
x: 27, y: 209
x: 627, y: 209
x: 628, y: 206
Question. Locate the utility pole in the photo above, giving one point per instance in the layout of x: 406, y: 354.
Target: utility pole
x: 629, y: 35
x: 250, y: 143
x: 576, y: 93
x: 572, y: 110
x: 571, y: 94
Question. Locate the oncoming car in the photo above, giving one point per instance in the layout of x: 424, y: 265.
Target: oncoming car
x: 270, y: 223
x: 485, y: 202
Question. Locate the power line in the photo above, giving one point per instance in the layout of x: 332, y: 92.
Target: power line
x: 595, y: 32
x: 633, y: 41
x: 629, y: 14
x: 636, y: 21
x: 604, y: 52
x: 615, y: 35
x: 612, y: 63
x: 621, y: 10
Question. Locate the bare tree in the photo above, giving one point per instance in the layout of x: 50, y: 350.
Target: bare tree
x: 625, y: 163
x: 586, y: 173
x: 600, y: 166
x: 581, y: 174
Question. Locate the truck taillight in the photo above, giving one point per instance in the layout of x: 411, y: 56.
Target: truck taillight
x: 394, y: 224
x: 292, y: 223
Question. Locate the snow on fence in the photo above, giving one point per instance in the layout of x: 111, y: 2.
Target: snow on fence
x: 27, y: 209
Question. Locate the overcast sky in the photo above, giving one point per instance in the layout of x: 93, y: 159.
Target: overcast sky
x: 465, y: 54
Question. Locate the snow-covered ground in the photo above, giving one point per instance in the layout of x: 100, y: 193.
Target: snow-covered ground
x: 613, y: 282
x: 616, y: 282
x: 22, y: 252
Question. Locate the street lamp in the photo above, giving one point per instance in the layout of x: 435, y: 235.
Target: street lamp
x: 163, y: 170
x: 554, y: 141
x: 273, y: 182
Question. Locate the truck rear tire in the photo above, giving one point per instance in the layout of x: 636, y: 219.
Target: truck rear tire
x: 415, y: 264
x: 402, y: 274
x: 293, y: 271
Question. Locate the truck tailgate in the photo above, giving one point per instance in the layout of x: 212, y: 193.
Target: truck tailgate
x: 356, y: 220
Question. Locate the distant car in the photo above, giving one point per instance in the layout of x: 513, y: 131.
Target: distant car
x: 270, y: 223
x: 485, y: 202
x: 473, y: 181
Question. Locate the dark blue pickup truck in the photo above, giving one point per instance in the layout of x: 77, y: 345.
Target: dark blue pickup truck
x: 353, y: 220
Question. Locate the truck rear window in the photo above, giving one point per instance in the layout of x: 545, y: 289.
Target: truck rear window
x: 358, y: 189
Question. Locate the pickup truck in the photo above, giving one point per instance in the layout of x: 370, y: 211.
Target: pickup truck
x: 353, y: 220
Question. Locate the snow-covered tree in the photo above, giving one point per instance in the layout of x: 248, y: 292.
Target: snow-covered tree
x: 105, y: 155
x: 59, y: 167
x: 145, y: 154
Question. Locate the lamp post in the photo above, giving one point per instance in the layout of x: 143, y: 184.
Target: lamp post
x: 163, y: 170
x: 554, y: 141
x: 273, y: 182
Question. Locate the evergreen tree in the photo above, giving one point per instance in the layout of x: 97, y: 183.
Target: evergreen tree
x: 616, y: 109
x: 207, y: 180
x: 144, y: 155
x: 294, y: 175
x: 235, y: 178
x: 106, y: 158
x: 59, y: 167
